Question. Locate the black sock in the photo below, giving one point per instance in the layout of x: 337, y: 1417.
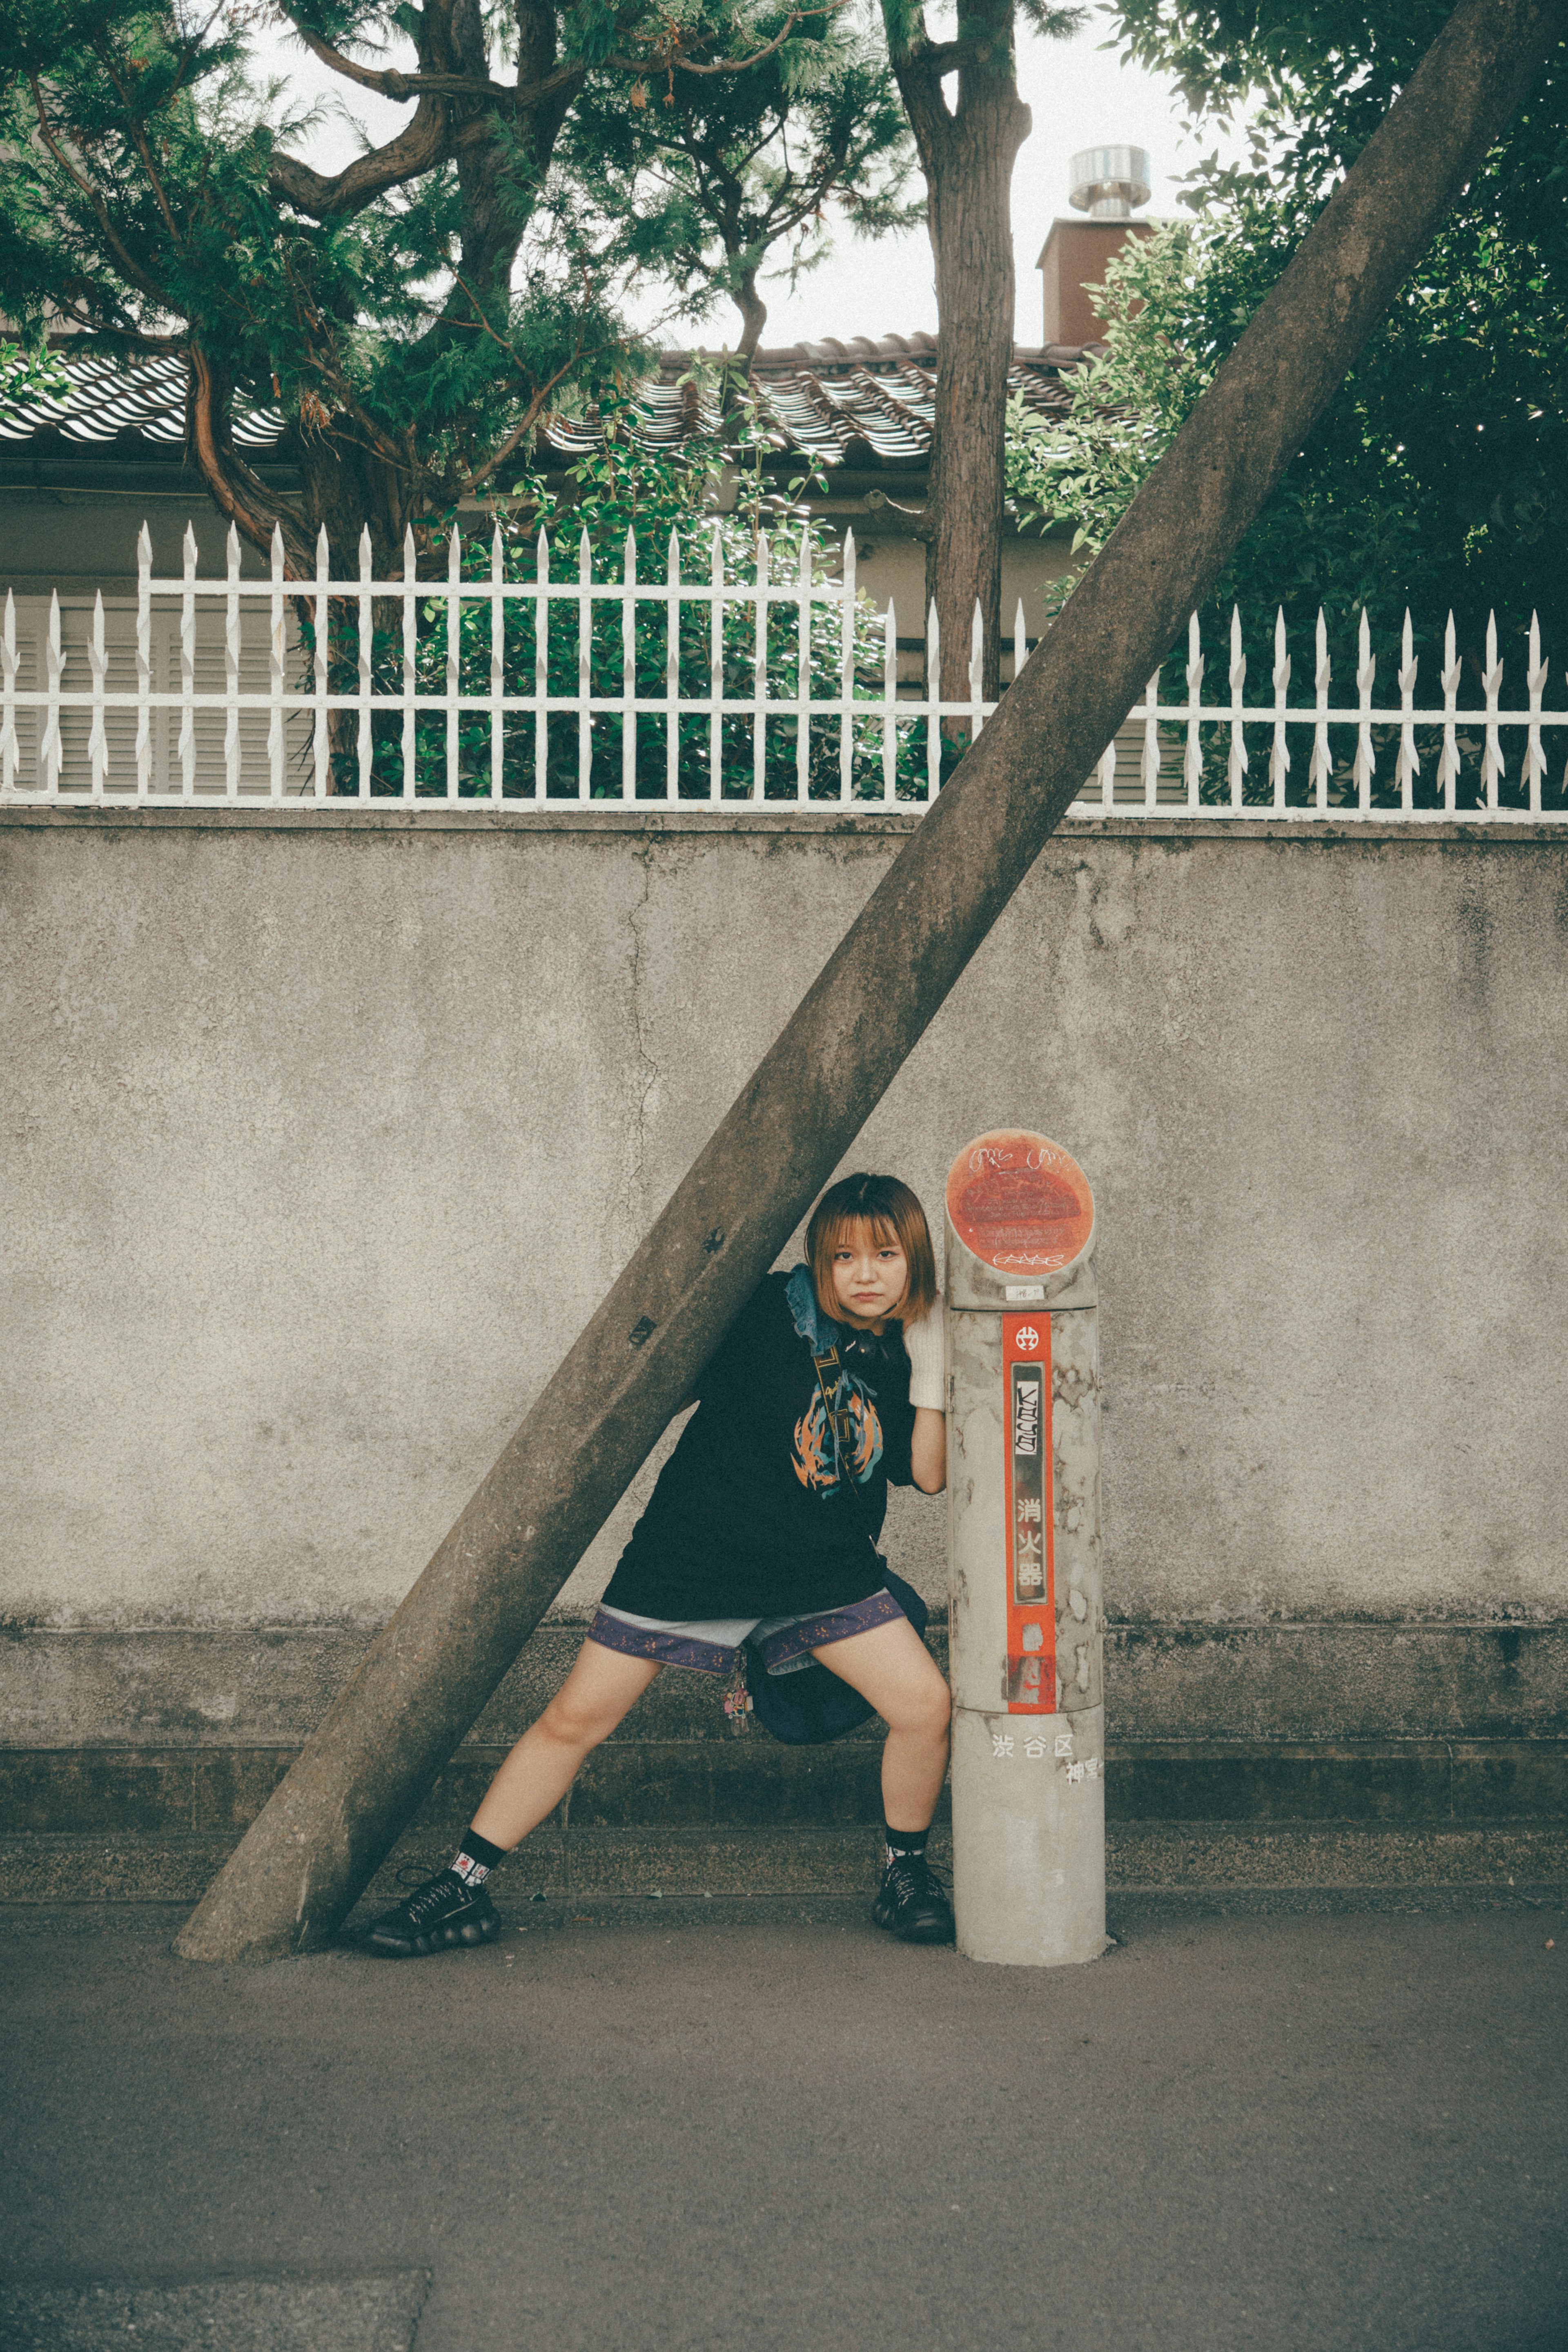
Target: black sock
x: 476, y: 1858
x: 905, y: 1843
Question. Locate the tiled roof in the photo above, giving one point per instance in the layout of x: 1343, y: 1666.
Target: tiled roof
x: 109, y: 396
x: 861, y: 405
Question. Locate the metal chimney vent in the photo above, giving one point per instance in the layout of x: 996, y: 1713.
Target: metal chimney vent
x: 1107, y: 182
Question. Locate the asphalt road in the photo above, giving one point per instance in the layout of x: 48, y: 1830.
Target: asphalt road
x: 755, y: 2126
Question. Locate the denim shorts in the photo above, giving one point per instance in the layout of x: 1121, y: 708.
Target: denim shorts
x: 711, y: 1645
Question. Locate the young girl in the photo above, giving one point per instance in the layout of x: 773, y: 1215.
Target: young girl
x: 752, y: 1532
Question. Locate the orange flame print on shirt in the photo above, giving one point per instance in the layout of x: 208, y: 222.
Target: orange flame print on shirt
x: 1020, y: 1202
x: 814, y: 1443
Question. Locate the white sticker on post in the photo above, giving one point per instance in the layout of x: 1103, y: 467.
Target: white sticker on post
x: 1024, y: 1294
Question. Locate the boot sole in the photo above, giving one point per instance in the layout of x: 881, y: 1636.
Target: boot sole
x: 454, y: 1932
x: 924, y: 1931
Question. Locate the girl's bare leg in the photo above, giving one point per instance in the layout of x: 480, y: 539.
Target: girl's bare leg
x: 892, y: 1667
x: 602, y: 1686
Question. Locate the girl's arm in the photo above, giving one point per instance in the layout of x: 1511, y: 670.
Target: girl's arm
x: 927, y: 1387
x: 929, y: 1449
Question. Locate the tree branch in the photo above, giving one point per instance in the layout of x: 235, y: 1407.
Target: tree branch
x: 665, y: 57
x: 78, y: 180
x: 419, y: 145
x: 227, y: 477
x: 139, y: 133
x: 388, y: 81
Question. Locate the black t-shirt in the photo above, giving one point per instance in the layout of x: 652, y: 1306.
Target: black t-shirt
x: 749, y: 1516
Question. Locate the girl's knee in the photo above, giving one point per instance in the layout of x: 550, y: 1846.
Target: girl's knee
x: 574, y: 1721
x: 926, y: 1710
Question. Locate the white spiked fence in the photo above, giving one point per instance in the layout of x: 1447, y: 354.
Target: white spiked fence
x: 214, y: 690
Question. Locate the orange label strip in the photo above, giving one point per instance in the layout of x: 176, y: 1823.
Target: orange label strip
x: 1031, y: 1561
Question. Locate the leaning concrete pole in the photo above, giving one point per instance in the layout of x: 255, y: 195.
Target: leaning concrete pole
x: 308, y: 1858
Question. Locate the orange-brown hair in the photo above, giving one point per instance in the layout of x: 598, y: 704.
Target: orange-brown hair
x: 893, y: 1214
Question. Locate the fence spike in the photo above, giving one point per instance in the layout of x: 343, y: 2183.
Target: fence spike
x: 1448, y: 768
x: 232, y: 553
x: 889, y: 703
x: 276, y: 656
x: 49, y: 750
x: 144, y: 663
x: 186, y: 747
x: 715, y: 661
x: 848, y: 600
x: 1236, y: 766
x: 1279, y: 754
x: 97, y: 741
x: 497, y: 666
x: 1365, y: 757
x: 1321, y: 771
x: 1192, y: 760
x: 454, y: 655
x: 320, y: 664
x: 10, y: 748
x: 934, y: 702
x: 1408, y: 765
x: 1493, y: 767
x: 673, y: 669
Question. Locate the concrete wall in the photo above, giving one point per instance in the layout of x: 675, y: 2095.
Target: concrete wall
x: 322, y: 1138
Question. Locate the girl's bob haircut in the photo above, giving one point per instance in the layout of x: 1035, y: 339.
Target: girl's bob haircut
x: 894, y: 1214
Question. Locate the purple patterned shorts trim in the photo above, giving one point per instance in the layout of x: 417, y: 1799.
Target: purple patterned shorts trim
x: 803, y: 1634
x: 671, y: 1649
x: 784, y: 1642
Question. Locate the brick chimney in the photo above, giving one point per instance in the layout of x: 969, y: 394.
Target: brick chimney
x: 1105, y: 183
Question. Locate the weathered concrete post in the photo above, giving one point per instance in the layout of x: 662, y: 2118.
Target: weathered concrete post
x: 1023, y: 1524
x: 363, y: 1772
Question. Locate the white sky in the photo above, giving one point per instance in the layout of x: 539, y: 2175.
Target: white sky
x: 1081, y: 95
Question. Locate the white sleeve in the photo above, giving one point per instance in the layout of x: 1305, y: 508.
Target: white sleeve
x: 923, y: 1344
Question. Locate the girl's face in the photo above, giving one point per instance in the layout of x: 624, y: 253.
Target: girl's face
x: 870, y: 1277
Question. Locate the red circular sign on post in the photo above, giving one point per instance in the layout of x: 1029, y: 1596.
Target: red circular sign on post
x: 1020, y: 1203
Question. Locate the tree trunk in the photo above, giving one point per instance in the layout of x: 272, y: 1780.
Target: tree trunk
x: 968, y: 153
x: 753, y: 319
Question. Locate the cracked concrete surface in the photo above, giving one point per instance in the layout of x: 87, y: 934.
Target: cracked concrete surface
x: 297, y: 1113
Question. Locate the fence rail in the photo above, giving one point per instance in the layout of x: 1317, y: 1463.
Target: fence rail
x: 485, y: 689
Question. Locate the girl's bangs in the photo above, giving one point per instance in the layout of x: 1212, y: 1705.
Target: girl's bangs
x: 883, y: 1232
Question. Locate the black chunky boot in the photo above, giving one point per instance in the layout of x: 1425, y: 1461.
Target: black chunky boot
x: 442, y: 1911
x: 912, y: 1902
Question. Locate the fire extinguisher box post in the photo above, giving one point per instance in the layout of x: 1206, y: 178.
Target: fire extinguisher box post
x: 1023, y: 1524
